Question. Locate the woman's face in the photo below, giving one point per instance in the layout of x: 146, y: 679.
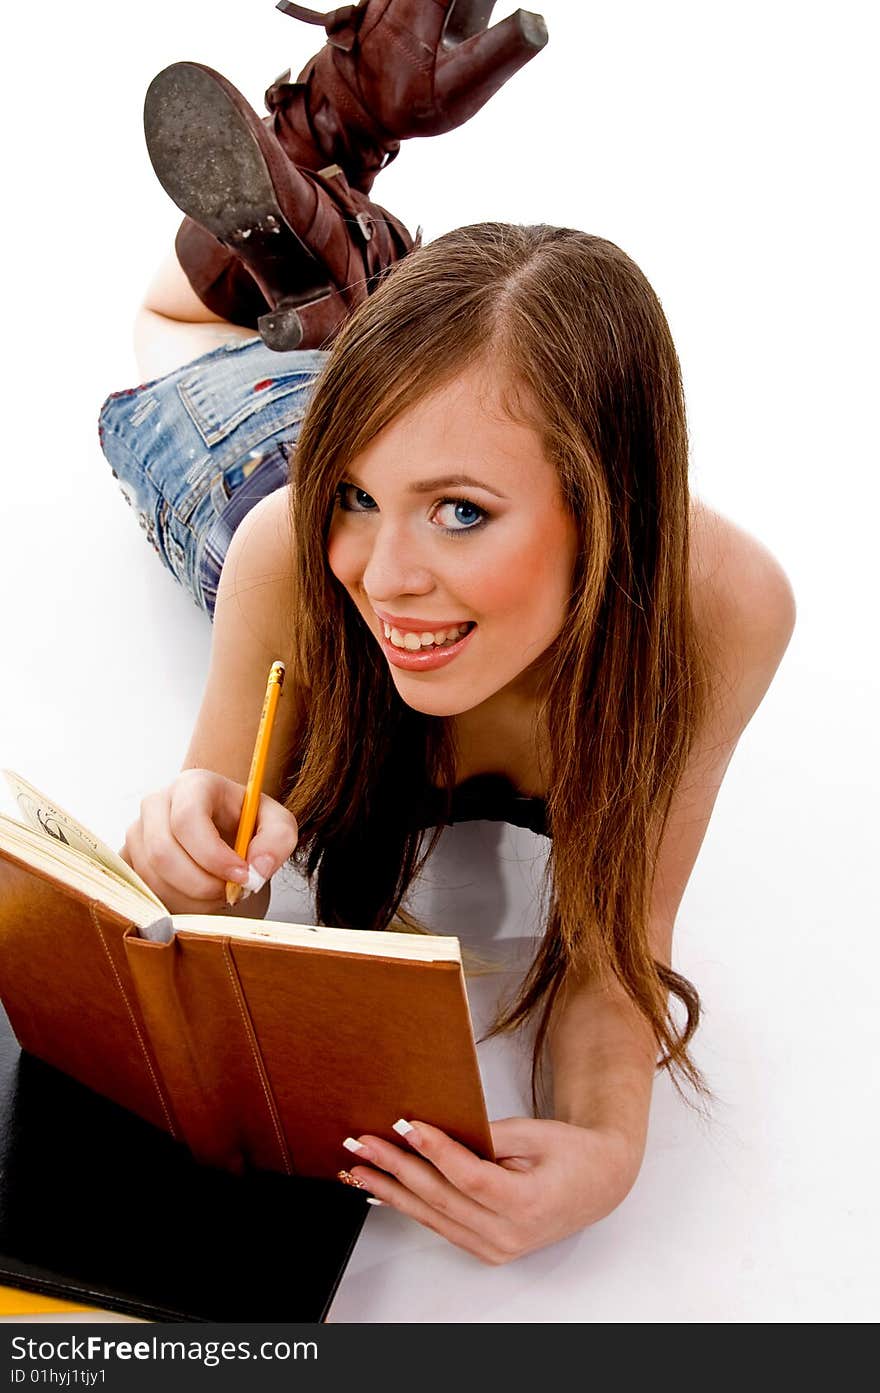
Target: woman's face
x: 425, y: 552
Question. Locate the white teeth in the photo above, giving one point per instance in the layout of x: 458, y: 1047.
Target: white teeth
x: 413, y: 641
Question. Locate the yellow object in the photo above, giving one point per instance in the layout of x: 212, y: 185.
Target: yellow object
x: 254, y: 788
x: 29, y: 1303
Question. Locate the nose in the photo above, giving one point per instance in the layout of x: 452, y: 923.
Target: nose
x: 396, y: 565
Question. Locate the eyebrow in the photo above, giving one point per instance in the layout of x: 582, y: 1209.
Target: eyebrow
x: 446, y: 481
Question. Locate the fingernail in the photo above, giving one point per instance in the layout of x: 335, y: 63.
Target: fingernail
x: 351, y: 1145
x: 239, y: 874
x: 348, y: 1179
x: 254, y: 881
x: 371, y: 1199
x: 264, y: 865
x: 403, y: 1127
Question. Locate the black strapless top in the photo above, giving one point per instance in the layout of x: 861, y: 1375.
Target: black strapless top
x: 488, y: 797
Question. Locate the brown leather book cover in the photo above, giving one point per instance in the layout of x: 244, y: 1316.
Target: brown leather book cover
x: 65, y: 983
x: 257, y: 1054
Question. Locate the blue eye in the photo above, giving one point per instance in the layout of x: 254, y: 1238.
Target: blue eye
x: 363, y: 502
x: 466, y: 516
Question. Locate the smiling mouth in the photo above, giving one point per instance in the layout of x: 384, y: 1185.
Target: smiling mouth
x: 411, y: 642
x: 414, y: 656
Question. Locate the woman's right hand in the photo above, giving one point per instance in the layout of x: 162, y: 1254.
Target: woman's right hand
x: 182, y: 843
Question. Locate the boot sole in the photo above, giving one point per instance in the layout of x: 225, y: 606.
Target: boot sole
x: 209, y: 162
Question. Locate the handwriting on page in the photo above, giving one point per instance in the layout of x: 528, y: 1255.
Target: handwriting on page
x: 44, y: 816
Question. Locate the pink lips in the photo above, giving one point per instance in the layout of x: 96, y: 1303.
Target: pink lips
x: 428, y: 658
x: 419, y: 626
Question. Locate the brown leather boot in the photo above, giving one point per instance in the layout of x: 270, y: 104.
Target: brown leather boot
x: 313, y: 246
x: 391, y: 70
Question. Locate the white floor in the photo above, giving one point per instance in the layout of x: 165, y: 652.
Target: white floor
x: 726, y: 149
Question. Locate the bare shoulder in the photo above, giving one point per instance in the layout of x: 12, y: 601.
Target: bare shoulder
x: 743, y: 603
x: 268, y: 524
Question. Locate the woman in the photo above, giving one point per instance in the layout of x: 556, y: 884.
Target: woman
x: 489, y: 582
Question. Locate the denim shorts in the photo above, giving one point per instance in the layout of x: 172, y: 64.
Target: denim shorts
x: 194, y: 451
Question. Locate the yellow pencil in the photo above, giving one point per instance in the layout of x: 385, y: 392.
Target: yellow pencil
x: 248, y: 818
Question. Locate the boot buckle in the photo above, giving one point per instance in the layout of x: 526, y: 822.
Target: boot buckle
x: 365, y: 226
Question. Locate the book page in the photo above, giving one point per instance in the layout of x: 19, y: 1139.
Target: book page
x: 43, y: 815
x: 387, y: 943
x: 68, y: 866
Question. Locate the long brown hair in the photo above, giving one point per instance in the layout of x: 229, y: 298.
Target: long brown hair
x: 572, y: 325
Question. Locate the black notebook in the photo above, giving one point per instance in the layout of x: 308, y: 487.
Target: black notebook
x: 98, y: 1207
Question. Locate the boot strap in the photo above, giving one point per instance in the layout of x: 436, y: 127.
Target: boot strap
x: 341, y: 25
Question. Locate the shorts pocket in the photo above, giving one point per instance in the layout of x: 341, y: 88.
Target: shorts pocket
x: 230, y: 407
x: 222, y: 396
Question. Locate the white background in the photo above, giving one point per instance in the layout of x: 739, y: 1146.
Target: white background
x: 729, y: 150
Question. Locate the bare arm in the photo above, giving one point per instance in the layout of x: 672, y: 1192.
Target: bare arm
x: 603, y: 1055
x: 253, y: 622
x: 174, y: 843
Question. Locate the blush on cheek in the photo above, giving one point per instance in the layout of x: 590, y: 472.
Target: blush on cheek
x: 524, y: 585
x: 533, y: 594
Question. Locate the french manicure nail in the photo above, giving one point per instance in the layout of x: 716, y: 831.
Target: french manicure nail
x: 403, y: 1127
x: 255, y: 881
x: 351, y: 1145
x: 264, y: 865
x: 371, y: 1199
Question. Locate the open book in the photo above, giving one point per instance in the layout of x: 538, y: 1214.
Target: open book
x: 258, y: 1044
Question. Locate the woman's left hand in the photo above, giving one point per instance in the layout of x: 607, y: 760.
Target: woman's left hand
x: 550, y: 1179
